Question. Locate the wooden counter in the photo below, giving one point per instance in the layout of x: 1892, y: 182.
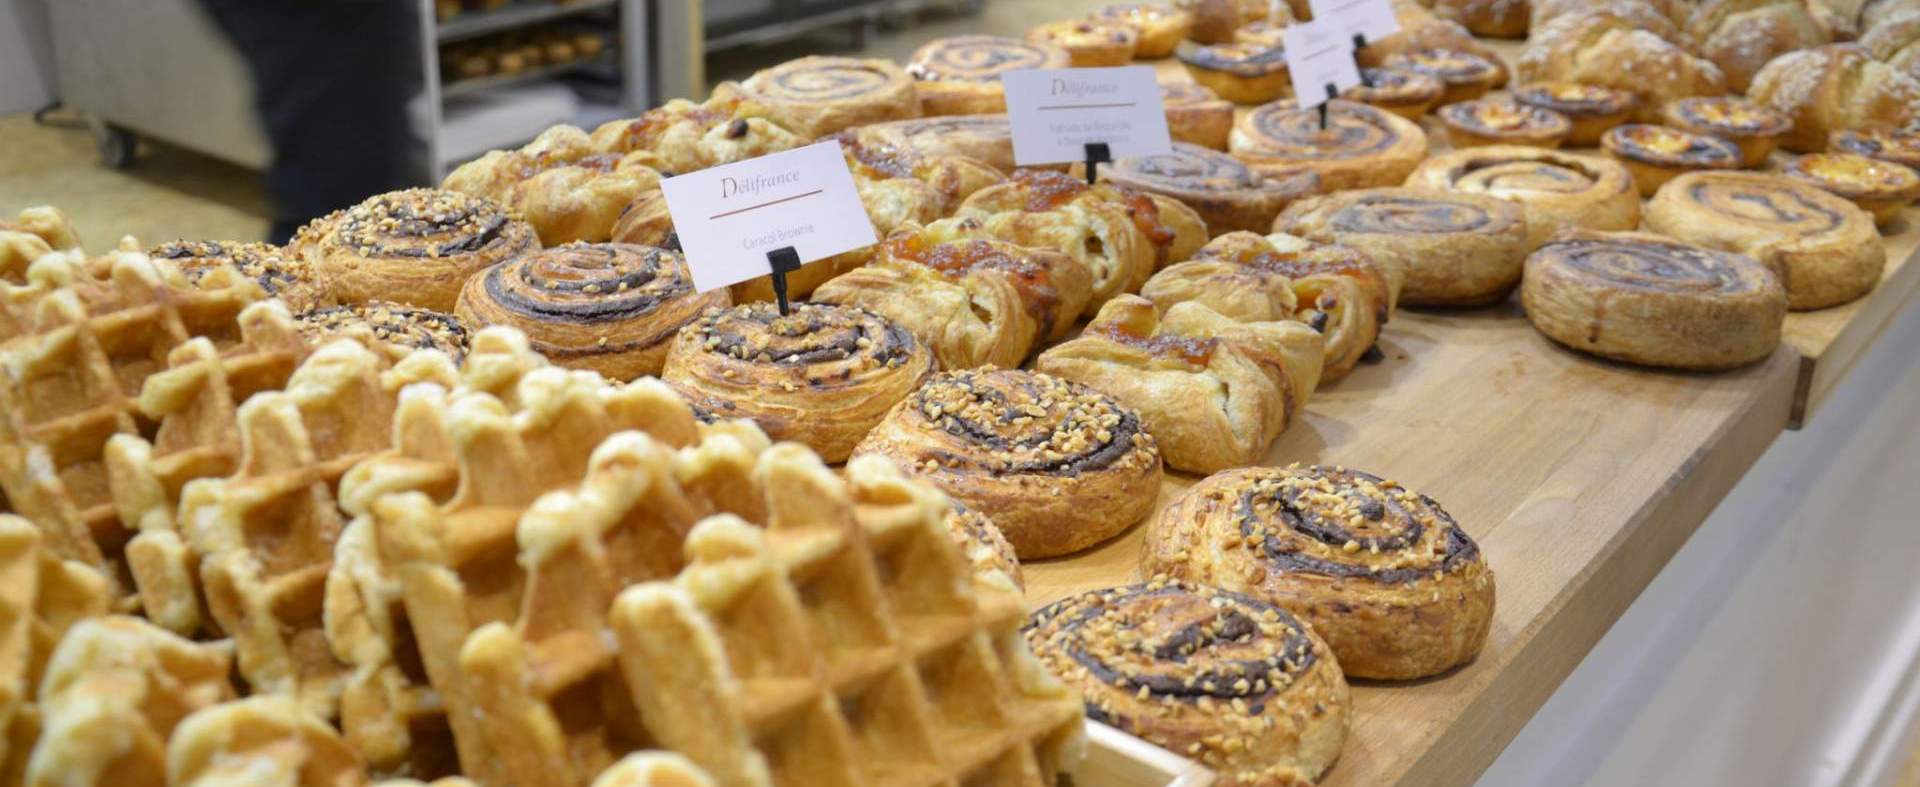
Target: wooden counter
x: 1830, y: 340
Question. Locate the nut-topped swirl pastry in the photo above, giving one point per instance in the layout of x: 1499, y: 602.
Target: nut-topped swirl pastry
x: 1825, y: 247
x: 393, y: 327
x: 1195, y: 114
x: 986, y: 548
x: 1408, y: 94
x: 1753, y: 128
x: 961, y: 75
x: 1090, y: 43
x: 1383, y: 573
x: 1467, y: 76
x: 1061, y: 466
x: 788, y: 373
x: 281, y: 274
x: 1235, y: 682
x: 815, y: 96
x: 1647, y: 299
x: 1556, y: 190
x: 609, y: 307
x: 1591, y: 109
x: 1159, y: 28
x: 1899, y: 147
x: 1361, y: 146
x: 1501, y: 121
x: 1244, y: 72
x: 1881, y: 188
x: 1655, y: 154
x: 415, y: 247
x: 1226, y: 193
x: 1454, y: 248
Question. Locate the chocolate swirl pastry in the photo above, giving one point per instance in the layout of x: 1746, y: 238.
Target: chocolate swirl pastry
x: 1395, y: 586
x: 415, y: 247
x: 1237, y: 683
x: 1361, y: 147
x: 1453, y: 248
x: 1646, y: 299
x: 1467, y: 76
x: 397, y: 329
x: 1825, y: 247
x: 986, y: 138
x: 1899, y: 147
x: 1502, y: 121
x: 282, y: 275
x: 1196, y: 114
x: 608, y: 307
x: 1408, y: 94
x: 1881, y: 188
x: 1753, y: 128
x: 816, y: 96
x: 1160, y: 28
x: 1655, y: 154
x: 1591, y: 108
x: 1555, y: 190
x: 789, y: 373
x: 1244, y: 72
x: 961, y: 75
x: 1061, y: 466
x: 1226, y: 193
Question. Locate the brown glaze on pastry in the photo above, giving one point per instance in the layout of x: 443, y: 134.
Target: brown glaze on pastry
x: 281, y: 274
x: 1752, y: 127
x: 1591, y: 108
x: 1881, y: 188
x: 1360, y: 147
x: 1408, y: 94
x: 398, y: 329
x: 1824, y: 247
x: 1467, y: 76
x: 415, y: 247
x: 961, y: 75
x: 1503, y: 121
x: 1226, y: 193
x: 1655, y: 154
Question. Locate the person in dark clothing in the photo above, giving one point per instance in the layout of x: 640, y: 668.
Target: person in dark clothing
x: 332, y: 79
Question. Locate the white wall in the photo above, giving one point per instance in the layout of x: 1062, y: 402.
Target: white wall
x: 26, y: 56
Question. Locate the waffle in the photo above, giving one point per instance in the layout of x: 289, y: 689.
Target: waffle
x: 260, y: 741
x: 41, y: 596
x: 639, y: 769
x: 34, y: 234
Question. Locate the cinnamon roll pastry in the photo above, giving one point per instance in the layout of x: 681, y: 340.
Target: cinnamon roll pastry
x: 1503, y: 121
x: 1408, y: 94
x: 1226, y: 193
x: 815, y: 96
x: 960, y: 75
x: 984, y: 138
x: 1244, y: 72
x: 398, y: 330
x: 1213, y: 391
x: 1647, y: 299
x: 1655, y: 154
x: 282, y: 275
x: 1062, y: 466
x: 1899, y: 147
x: 1555, y: 190
x: 822, y: 376
x: 1114, y: 233
x: 560, y: 184
x: 1751, y: 127
x: 1591, y: 109
x: 1467, y: 76
x: 415, y: 247
x: 973, y: 301
x: 1090, y: 43
x: 1824, y: 247
x: 1455, y: 248
x: 1237, y: 683
x: 1157, y: 28
x: 1395, y: 586
x: 1881, y: 188
x: 1361, y: 147
x: 1195, y: 114
x: 986, y: 548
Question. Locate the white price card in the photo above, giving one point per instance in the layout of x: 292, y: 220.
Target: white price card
x: 730, y: 216
x: 1373, y: 19
x: 1056, y: 112
x: 1318, y: 55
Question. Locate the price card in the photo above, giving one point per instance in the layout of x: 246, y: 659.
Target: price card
x: 1373, y: 19
x: 729, y: 217
x: 1056, y: 112
x: 1318, y: 54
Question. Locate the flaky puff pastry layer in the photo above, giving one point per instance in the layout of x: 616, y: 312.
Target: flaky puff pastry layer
x: 1120, y: 235
x: 1398, y: 590
x: 560, y: 184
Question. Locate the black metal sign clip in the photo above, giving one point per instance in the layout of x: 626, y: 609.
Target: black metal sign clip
x: 783, y: 260
x: 1097, y: 153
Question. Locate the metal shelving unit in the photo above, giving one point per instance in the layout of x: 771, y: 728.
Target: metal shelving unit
x: 514, y: 17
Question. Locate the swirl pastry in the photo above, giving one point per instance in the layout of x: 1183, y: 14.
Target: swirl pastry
x: 1361, y: 147
x: 1408, y: 94
x: 1213, y: 391
x: 984, y: 138
x: 560, y: 184
x: 815, y: 96
x: 1899, y: 147
x: 1466, y: 75
x: 1646, y: 299
x: 1226, y: 193
x: 1237, y: 683
x: 1455, y: 248
x: 961, y: 75
x: 789, y: 373
x: 415, y: 247
x: 1090, y: 43
x: 1751, y: 127
x: 1196, y: 115
x: 1555, y: 190
x: 1591, y: 109
x: 1244, y: 72
x: 280, y: 274
x: 1837, y: 87
x: 1061, y: 466
x: 1881, y: 188
x: 973, y: 301
x: 1394, y: 585
x: 1157, y: 28
x: 1655, y: 154
x: 1335, y: 290
x: 1824, y: 247
x: 1503, y: 122
x: 1120, y: 235
x: 397, y: 329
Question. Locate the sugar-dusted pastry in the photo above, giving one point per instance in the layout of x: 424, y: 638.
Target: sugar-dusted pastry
x: 821, y: 376
x: 398, y: 328
x: 1213, y: 391
x: 1503, y: 121
x: 1467, y: 76
x: 1226, y: 193
x: 1238, y: 684
x: 1195, y: 114
x: 1455, y: 248
x: 1091, y: 42
x: 1591, y: 109
x: 1824, y: 247
x: 684, y: 136
x: 1899, y: 147
x: 1556, y: 189
x: 985, y: 138
x: 960, y: 75
x: 1897, y: 42
x: 1121, y: 235
x: 1393, y: 584
x: 1751, y: 127
x: 1663, y: 18
x: 1408, y: 94
x: 1740, y: 36
x: 815, y: 96
x: 1158, y: 28
x: 1490, y: 18
x: 1651, y: 300
x: 1239, y: 71
x: 1655, y: 154
x: 1361, y: 146
x: 1061, y: 466
x: 560, y: 183
x: 1881, y: 188
x: 1838, y: 87
x: 415, y: 247
x: 1614, y: 51
x: 283, y: 275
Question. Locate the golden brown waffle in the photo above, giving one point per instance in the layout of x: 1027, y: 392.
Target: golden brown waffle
x: 260, y: 741
x: 35, y: 233
x: 653, y: 769
x: 41, y: 596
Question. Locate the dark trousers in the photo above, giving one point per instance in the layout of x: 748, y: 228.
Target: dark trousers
x: 331, y: 79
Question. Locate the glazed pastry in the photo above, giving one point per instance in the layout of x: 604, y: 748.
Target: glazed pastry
x: 1236, y: 683
x: 973, y: 301
x: 1467, y: 76
x: 952, y: 178
x: 1647, y: 299
x: 1408, y: 94
x: 1838, y: 87
x: 282, y: 275
x: 1226, y: 193
x: 560, y: 184
x: 961, y: 75
x: 1655, y: 154
x: 398, y: 329
x: 1740, y: 36
x: 1062, y: 466
x: 816, y: 96
x: 608, y: 307
x: 1881, y: 188
x: 984, y: 138
x: 1090, y: 43
x: 1824, y: 247
x: 1244, y: 73
x: 1337, y: 291
x: 1490, y: 18
x: 1196, y: 115
x: 1157, y: 28
x: 1899, y: 147
x: 1751, y: 127
x: 1502, y: 121
x: 984, y: 545
x: 1556, y: 190
x: 1454, y: 248
x: 822, y: 376
x: 1361, y: 146
x: 1213, y: 391
x: 1592, y: 109
x: 1121, y: 235
x: 1383, y: 573
x: 416, y: 247
x: 1610, y: 51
